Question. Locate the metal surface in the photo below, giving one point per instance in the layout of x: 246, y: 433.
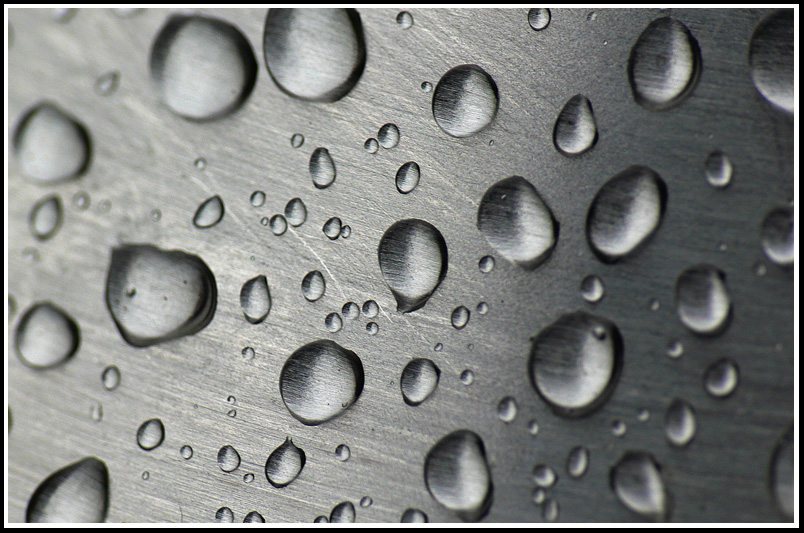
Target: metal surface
x: 143, y: 160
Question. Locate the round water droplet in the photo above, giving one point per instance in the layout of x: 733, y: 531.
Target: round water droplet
x: 482, y: 308
x: 460, y: 317
x: 592, y: 288
x: 320, y: 380
x: 203, y: 68
x: 284, y: 464
x: 200, y: 163
x: 150, y: 434
x: 254, y: 518
x: 643, y: 415
x: 770, y: 55
x: 297, y: 140
x: 372, y: 328
x: 371, y: 145
x: 45, y: 217
x: 664, y: 65
x: 228, y: 458
x: 110, y: 378
x: 679, y: 423
x: 46, y: 336
x: 404, y: 19
x: 224, y: 515
x: 313, y: 286
x: 342, y: 452
x: 467, y: 377
x: 321, y: 519
x: 388, y: 136
x: 322, y: 168
x: 427, y: 86
x: 413, y: 259
x: 314, y: 54
x: 457, y: 475
x: 702, y: 299
x: 516, y: 222
x: 209, y: 213
x: 50, y: 145
x: 506, y: 409
x: 350, y: 310
x: 333, y: 322
x: 78, y: 493
x: 637, y: 482
x: 465, y: 101
x: 255, y: 299
x: 419, y: 380
x: 778, y: 236
x: 296, y: 212
x: 370, y: 308
x: 486, y: 264
x: 107, y: 83
x: 718, y: 169
x: 279, y: 225
x: 782, y: 475
x: 156, y: 215
x: 538, y: 18
x: 342, y: 513
x: 407, y: 177
x: 248, y: 478
x: 332, y: 228
x: 248, y: 353
x: 721, y: 378
x: 544, y: 476
x: 575, y: 363
x: 675, y: 349
x: 575, y: 131
x: 258, y: 198
x: 232, y: 413
x: 186, y: 451
x: 618, y: 428
x: 577, y: 462
x: 366, y: 501
x: 625, y: 212
x: 414, y: 516
x: 81, y: 201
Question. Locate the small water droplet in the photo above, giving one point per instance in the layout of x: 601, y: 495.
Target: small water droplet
x: 618, y: 428
x: 346, y: 232
x: 350, y: 310
x: 460, y: 317
x: 156, y: 215
x: 284, y: 464
x: 370, y: 308
x: 486, y: 264
x: 342, y: 513
x: 721, y: 378
x: 110, y: 378
x: 438, y: 347
x: 81, y: 201
x: 186, y: 452
x: 539, y: 495
x: 675, y: 349
x: 200, y: 163
x: 46, y: 336
x: 482, y: 308
x: 107, y: 83
x: 231, y: 413
x: 507, y: 409
x: 322, y: 168
x: 146, y: 475
x: 388, y: 135
x: 577, y: 462
x: 248, y: 353
x: 467, y: 377
x: 702, y: 299
x: 150, y: 434
x: 679, y: 423
x: 342, y: 452
x: 372, y: 328
x: 419, y: 380
x: 371, y: 145
x: 533, y: 427
x: 209, y: 213
x: 104, y: 206
x: 248, y: 478
x: 77, y: 493
x: 778, y: 236
x: 255, y: 299
x: 414, y: 516
x: 228, y: 458
x: 575, y: 131
x: 760, y: 269
x: 407, y: 177
x: 637, y: 482
x: 257, y: 198
x: 465, y: 101
x: 538, y: 18
x: 279, y: 225
x: 313, y: 286
x: 404, y: 19
x: 296, y: 212
x: 654, y: 305
x: 232, y: 400
x: 297, y: 140
x: 544, y: 476
x: 366, y: 501
x: 333, y: 322
x: 332, y: 228
x: 782, y: 475
x: 592, y: 289
x: 718, y: 169
x: 770, y: 55
x: 427, y: 86
x: 643, y: 415
x: 96, y: 412
x: 224, y: 515
x: 321, y: 519
x: 45, y: 217
x: 254, y: 518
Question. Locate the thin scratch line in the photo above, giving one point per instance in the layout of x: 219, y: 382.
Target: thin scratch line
x: 323, y: 264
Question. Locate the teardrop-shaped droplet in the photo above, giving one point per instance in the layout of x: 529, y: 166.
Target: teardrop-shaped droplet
x: 702, y: 299
x: 45, y: 217
x: 457, y: 475
x: 322, y: 168
x: 419, y: 380
x: 782, y: 475
x: 721, y: 378
x: 314, y: 54
x: 625, y: 212
x: 637, y: 482
x: 407, y: 177
x: 517, y: 222
x: 414, y: 516
x: 413, y: 259
x: 465, y: 101
x: 51, y: 145
x: 313, y: 286
x: 664, y: 65
x: 575, y: 363
x: 46, y: 336
x: 770, y: 55
x: 155, y: 295
x: 778, y: 240
x: 253, y: 518
x: 284, y: 464
x: 203, y: 68
x: 150, y: 434
x: 228, y: 458
x: 296, y: 212
x: 78, y: 493
x: 209, y: 213
x: 342, y: 513
x: 255, y: 299
x: 575, y: 131
x: 577, y: 462
x: 679, y: 423
x: 320, y: 381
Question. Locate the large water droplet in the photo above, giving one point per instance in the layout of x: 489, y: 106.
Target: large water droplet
x: 465, y: 101
x: 342, y: 513
x: 517, y: 222
x: 637, y: 482
x: 45, y: 217
x: 664, y: 65
x: 209, y: 213
x: 419, y: 380
x: 414, y: 516
x: 413, y: 259
x: 314, y: 54
x: 778, y: 239
x: 457, y: 475
x: 46, y: 336
x: 575, y: 131
x: 296, y: 212
x: 770, y: 55
x: 203, y: 68
x: 320, y: 380
x: 782, y: 475
x: 679, y: 423
x: 322, y: 168
x: 577, y: 462
x: 538, y: 18
x: 78, y: 493
x: 407, y: 177
x: 228, y: 458
x: 284, y: 464
x: 254, y: 518
x: 313, y: 286
x: 721, y: 378
x: 150, y: 434
x: 625, y: 212
x: 155, y: 295
x: 575, y: 363
x: 702, y: 299
x: 255, y: 299
x: 51, y: 145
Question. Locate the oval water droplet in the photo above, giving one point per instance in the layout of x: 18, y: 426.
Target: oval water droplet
x: 419, y: 380
x: 366, y: 501
x: 296, y: 212
x: 46, y: 336
x: 679, y: 423
x: 460, y: 317
x: 224, y: 515
x: 297, y: 140
x: 342, y: 452
x: 333, y: 322
x: 254, y: 518
x: 150, y: 434
x: 413, y: 259
x: 332, y: 228
x: 370, y: 308
x: 575, y: 131
x: 284, y: 464
x: 78, y: 493
x: 427, y: 86
x: 342, y: 513
x: 457, y: 475
x: 350, y: 310
x: 782, y: 475
x: 279, y: 225
x: 413, y: 516
x: 507, y: 409
x: 718, y: 169
x: 248, y: 353
x: 467, y: 377
x: 45, y: 217
x: 592, y: 289
x: 107, y: 83
x: 538, y: 18
x: 770, y: 55
x: 372, y: 328
x: 388, y: 135
x: 664, y: 65
x: 407, y: 177
x: 544, y: 476
x: 186, y: 452
x: 50, y: 145
x: 625, y: 213
x: 313, y: 286
x: 405, y: 21
x: 321, y: 519
x: 486, y: 264
x: 156, y: 295
x: 110, y: 378
x: 778, y: 241
x: 575, y: 363
x: 637, y: 482
x: 721, y: 378
x: 255, y: 299
x: 465, y: 101
x: 517, y: 223
x: 322, y: 168
x: 228, y: 458
x: 371, y: 146
x: 702, y: 299
x: 551, y: 510
x: 577, y: 462
x: 209, y: 213
x: 320, y: 381
x: 257, y: 198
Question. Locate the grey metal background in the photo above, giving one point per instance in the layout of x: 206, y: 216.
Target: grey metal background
x: 143, y: 160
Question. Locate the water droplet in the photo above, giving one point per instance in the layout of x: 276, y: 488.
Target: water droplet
x: 404, y: 19
x: 482, y: 308
x: 407, y: 177
x: 702, y: 299
x: 465, y: 101
x: 342, y: 452
x: 150, y: 434
x: 296, y: 212
x: 297, y: 140
x: 486, y: 264
x: 155, y: 295
x: 372, y: 328
x: 333, y: 322
x: 419, y: 380
x: 679, y: 423
x: 96, y: 412
x: 538, y: 18
x: 778, y: 236
x: 643, y: 415
x: 257, y: 198
x: 224, y: 515
x: 718, y: 169
x: 370, y: 308
x: 721, y: 378
x: 366, y: 501
x: 248, y: 353
x: 460, y: 317
x: 228, y: 458
x: 156, y: 214
x: 322, y: 168
x: 342, y: 513
x: 104, y: 206
x: 254, y: 518
x: 539, y: 495
x: 618, y: 428
x: 664, y: 65
x: 438, y: 347
x: 427, y: 86
x: 575, y: 363
x: 264, y: 221
x: 782, y: 475
x: 50, y: 145
x: 107, y: 83
x: 321, y: 519
x: 350, y: 310
x: 186, y: 451
x: 30, y: 255
x: 81, y: 201
x: 517, y: 222
x: 533, y: 427
x: 313, y: 286
x: 770, y: 55
x: 413, y: 259
x: 544, y: 476
x: 637, y: 482
x: 332, y: 228
x: 232, y: 400
x: 467, y: 377
x: 314, y: 54
x: 110, y: 378
x: 457, y: 475
x: 414, y: 516
x: 388, y: 136
x: 209, y: 213
x: 248, y: 478
x: 320, y: 380
x: 577, y: 462
x: 255, y: 299
x: 625, y: 212
x: 200, y: 163
x: 371, y: 145
x: 592, y: 288
x: 506, y: 409
x: 279, y: 225
x: 45, y: 217
x: 203, y: 68
x: 232, y: 413
x: 284, y: 464
x: 77, y: 493
x: 46, y: 336
x: 760, y: 269
x: 575, y: 131
x: 675, y: 349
